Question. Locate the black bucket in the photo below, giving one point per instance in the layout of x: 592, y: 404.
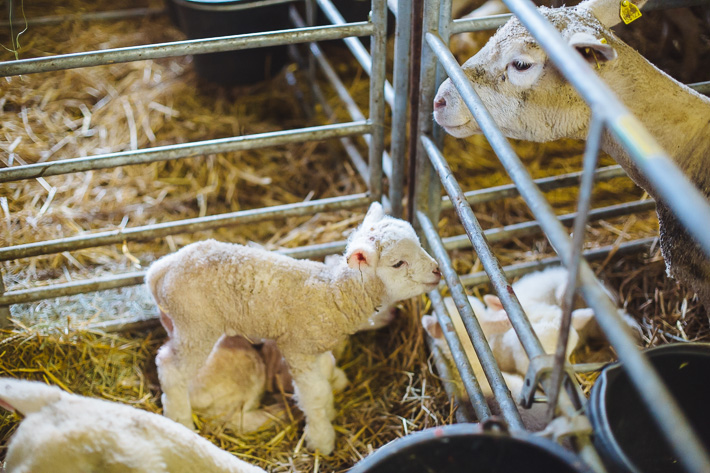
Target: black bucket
x: 211, y: 18
x: 624, y: 431
x: 464, y: 448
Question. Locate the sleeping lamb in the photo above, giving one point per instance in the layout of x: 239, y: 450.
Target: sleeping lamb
x: 209, y: 288
x: 530, y: 100
x: 66, y: 433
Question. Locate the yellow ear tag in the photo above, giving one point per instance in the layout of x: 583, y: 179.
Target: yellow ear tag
x: 629, y: 12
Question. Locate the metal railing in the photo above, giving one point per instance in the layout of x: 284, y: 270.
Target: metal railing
x: 371, y: 127
x: 433, y: 173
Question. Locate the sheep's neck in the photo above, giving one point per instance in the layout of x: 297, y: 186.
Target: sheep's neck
x: 363, y: 295
x: 677, y: 117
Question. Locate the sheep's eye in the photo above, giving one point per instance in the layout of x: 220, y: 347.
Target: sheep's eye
x: 520, y: 65
x: 398, y: 264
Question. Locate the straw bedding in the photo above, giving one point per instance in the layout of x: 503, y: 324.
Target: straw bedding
x: 394, y: 389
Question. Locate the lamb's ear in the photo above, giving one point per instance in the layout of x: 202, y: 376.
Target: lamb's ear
x: 493, y: 302
x: 608, y: 12
x: 374, y: 214
x: 592, y: 48
x: 361, y: 256
x: 432, y: 327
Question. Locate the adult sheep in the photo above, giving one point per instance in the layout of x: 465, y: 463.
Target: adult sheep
x: 530, y: 100
x: 209, y: 288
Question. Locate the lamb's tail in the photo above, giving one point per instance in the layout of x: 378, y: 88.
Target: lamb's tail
x: 27, y: 397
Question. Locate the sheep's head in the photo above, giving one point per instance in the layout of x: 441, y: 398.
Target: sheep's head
x: 389, y: 249
x: 527, y: 97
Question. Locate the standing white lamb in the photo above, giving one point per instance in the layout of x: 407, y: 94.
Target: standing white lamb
x: 530, y: 100
x: 209, y: 288
x: 66, y: 433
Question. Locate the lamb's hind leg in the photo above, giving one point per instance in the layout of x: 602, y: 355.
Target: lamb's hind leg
x: 315, y: 398
x: 178, y: 362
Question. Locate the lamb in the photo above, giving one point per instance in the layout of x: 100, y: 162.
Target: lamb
x: 66, y: 433
x: 209, y: 288
x: 228, y: 389
x: 530, y: 100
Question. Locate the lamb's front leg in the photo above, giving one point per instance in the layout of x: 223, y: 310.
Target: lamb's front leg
x: 314, y: 395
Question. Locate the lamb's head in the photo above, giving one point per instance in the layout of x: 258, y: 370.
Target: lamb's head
x: 388, y: 248
x: 527, y: 97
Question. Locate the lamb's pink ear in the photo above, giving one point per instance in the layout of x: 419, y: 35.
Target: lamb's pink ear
x: 374, y: 214
x: 361, y: 257
x: 432, y: 327
x: 607, y: 11
x: 495, y: 321
x: 592, y: 48
x: 493, y: 302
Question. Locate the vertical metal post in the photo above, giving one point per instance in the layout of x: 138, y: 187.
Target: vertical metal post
x: 378, y: 52
x: 444, y: 34
x: 591, y: 156
x: 426, y: 185
x: 402, y: 39
x: 414, y: 83
x: 4, y: 310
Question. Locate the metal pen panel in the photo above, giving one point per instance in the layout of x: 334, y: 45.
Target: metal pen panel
x: 185, y: 150
x: 182, y: 48
x: 378, y: 45
x: 671, y: 419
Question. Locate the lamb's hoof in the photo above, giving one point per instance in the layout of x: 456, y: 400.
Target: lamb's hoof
x: 321, y: 438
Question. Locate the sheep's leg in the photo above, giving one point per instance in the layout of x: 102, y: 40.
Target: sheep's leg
x: 177, y: 365
x: 315, y: 398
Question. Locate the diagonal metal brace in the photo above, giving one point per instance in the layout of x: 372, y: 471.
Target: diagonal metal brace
x: 539, y: 367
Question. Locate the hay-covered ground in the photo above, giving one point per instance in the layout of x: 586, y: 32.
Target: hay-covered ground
x: 83, y: 112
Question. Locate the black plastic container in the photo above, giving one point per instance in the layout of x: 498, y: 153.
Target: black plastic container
x: 624, y: 432
x: 210, y: 18
x: 466, y: 448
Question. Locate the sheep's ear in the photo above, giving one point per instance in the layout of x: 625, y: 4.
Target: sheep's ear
x: 361, y: 256
x: 581, y: 317
x: 493, y: 302
x: 496, y: 321
x: 592, y: 48
x: 432, y: 327
x: 374, y: 214
x: 608, y: 12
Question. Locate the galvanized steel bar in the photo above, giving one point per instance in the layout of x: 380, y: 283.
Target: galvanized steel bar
x: 4, y: 310
x: 185, y: 150
x: 402, y: 56
x: 483, y: 350
x: 182, y: 48
x: 702, y: 87
x: 671, y: 419
x: 591, y: 156
x: 426, y: 186
x: 22, y: 296
x: 159, y: 230
x: 532, y: 227
x: 490, y: 263
x: 355, y: 45
x: 489, y: 194
x: 461, y: 413
x: 415, y: 51
x: 378, y: 46
x: 519, y: 269
x: 463, y: 364
x: 479, y: 24
x: 688, y: 204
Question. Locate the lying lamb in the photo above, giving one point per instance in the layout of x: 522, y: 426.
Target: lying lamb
x: 209, y: 288
x: 229, y: 388
x: 66, y: 433
x: 530, y: 100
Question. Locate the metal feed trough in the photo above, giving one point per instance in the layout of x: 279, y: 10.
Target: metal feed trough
x: 416, y: 64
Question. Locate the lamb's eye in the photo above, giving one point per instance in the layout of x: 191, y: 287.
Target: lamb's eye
x: 520, y: 65
x: 398, y: 264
